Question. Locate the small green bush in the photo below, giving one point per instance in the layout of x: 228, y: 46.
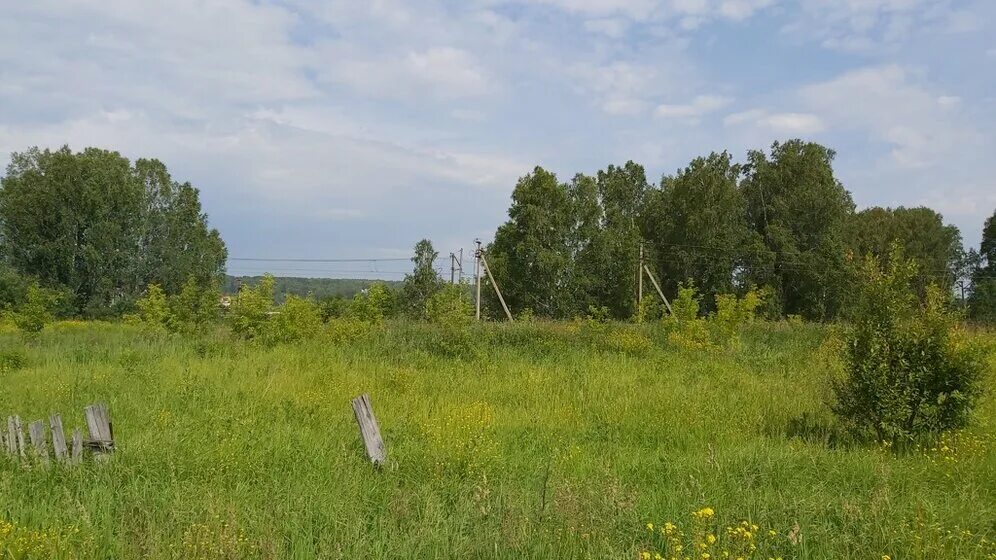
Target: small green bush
x: 733, y: 314
x: 36, y: 311
x: 297, y: 319
x: 451, y: 311
x: 909, y: 371
x: 372, y: 305
x: 251, y: 309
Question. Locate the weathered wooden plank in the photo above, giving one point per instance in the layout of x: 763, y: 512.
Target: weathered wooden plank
x: 369, y: 430
x: 36, y: 431
x: 11, y: 439
x: 18, y: 431
x: 98, y: 423
x: 58, y: 438
x: 77, y: 453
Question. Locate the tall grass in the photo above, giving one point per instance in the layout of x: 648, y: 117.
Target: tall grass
x: 541, y: 441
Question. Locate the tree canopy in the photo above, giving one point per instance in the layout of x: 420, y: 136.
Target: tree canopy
x: 101, y: 229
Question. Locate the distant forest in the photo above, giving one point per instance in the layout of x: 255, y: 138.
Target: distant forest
x: 320, y: 288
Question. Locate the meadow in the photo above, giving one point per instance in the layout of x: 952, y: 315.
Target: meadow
x: 542, y: 440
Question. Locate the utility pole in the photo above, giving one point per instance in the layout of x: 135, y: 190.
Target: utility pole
x: 477, y: 275
x: 456, y: 263
x: 639, y: 282
x: 497, y: 291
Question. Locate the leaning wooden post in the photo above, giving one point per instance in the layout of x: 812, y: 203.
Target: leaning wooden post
x: 369, y: 430
x: 36, y: 431
x: 58, y: 438
x: 98, y: 422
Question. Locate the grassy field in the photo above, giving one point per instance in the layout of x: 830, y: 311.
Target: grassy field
x: 552, y: 441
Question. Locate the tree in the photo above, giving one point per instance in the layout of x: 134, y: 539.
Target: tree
x: 921, y: 234
x: 530, y: 255
x: 982, y: 302
x: 800, y: 211
x: 696, y: 227
x: 423, y: 282
x: 95, y: 225
x: 622, y: 191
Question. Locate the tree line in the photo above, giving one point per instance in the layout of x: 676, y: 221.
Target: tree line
x: 94, y: 230
x: 780, y: 222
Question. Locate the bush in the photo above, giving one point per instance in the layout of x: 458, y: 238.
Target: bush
x: 685, y: 306
x: 251, y: 308
x: 297, y: 319
x: 909, y: 370
x: 188, y: 312
x: 733, y: 314
x: 36, y: 311
x: 451, y: 310
x: 371, y: 305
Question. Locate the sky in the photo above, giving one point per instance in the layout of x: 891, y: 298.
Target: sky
x: 329, y: 130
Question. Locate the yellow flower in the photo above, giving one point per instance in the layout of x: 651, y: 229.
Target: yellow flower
x: 645, y: 555
x: 711, y: 539
x: 705, y: 513
x: 650, y: 526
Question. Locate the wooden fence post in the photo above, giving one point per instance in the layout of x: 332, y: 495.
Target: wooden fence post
x: 36, y: 431
x: 16, y: 435
x: 58, y: 438
x: 369, y: 430
x: 98, y: 423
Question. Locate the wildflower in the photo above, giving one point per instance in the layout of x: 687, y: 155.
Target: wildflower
x: 645, y: 555
x: 650, y: 527
x: 711, y: 539
x: 705, y: 513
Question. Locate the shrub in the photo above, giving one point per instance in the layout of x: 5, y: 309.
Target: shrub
x: 188, y: 312
x: 908, y: 369
x: 297, y: 319
x: 733, y: 314
x: 372, y: 305
x: 153, y: 308
x: 685, y: 306
x: 195, y: 307
x: 648, y: 309
x: 450, y: 309
x: 36, y: 311
x: 450, y: 306
x: 251, y: 308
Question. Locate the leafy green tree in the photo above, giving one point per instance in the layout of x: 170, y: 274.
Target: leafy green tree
x: 922, y: 235
x: 423, y: 282
x: 622, y: 191
x: 696, y: 227
x: 530, y: 255
x: 175, y: 242
x: 103, y: 229
x: 982, y: 302
x: 801, y: 211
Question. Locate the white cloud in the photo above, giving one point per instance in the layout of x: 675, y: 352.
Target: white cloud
x: 868, y: 26
x: 699, y: 106
x: 786, y: 123
x: 895, y: 109
x: 435, y: 73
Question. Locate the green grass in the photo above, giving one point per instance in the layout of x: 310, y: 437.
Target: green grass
x: 548, y: 442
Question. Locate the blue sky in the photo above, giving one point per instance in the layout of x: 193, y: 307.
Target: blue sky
x: 353, y: 129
